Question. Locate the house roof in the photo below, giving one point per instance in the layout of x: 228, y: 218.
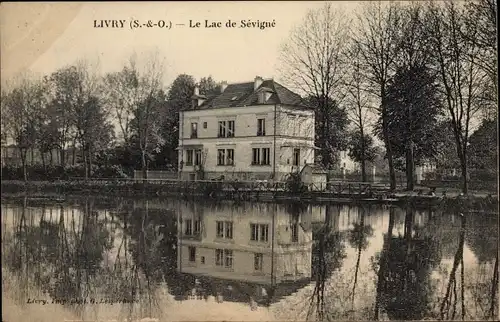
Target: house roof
x: 235, y: 291
x: 243, y: 94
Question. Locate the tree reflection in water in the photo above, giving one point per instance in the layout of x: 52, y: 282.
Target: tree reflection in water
x: 327, y: 256
x: 405, y: 263
x: 66, y: 255
x: 358, y: 239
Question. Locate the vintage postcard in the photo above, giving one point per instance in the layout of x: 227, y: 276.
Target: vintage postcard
x: 249, y: 161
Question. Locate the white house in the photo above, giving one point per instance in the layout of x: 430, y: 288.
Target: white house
x: 254, y: 130
x: 245, y: 244
x: 261, y: 246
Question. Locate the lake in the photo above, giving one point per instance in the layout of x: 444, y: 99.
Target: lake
x: 103, y: 259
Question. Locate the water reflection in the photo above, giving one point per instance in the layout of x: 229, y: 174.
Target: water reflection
x: 157, y: 258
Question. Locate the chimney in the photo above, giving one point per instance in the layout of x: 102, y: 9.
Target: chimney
x: 223, y: 86
x: 196, y: 90
x: 258, y: 81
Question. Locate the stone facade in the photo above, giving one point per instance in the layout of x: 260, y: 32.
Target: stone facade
x: 263, y: 138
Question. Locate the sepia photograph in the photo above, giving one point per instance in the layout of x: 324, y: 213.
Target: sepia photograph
x: 249, y: 161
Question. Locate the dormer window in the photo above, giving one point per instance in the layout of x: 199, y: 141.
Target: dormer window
x: 262, y: 97
x: 264, y: 94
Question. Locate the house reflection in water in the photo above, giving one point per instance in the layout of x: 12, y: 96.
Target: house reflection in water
x: 252, y: 253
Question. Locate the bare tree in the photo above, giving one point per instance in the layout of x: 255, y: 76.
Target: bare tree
x: 148, y: 111
x: 482, y: 16
x: 313, y: 63
x: 378, y: 39
x: 460, y: 76
x: 358, y: 105
x: 22, y: 107
x: 122, y: 95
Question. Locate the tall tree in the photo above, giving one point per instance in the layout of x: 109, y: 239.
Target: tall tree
x: 358, y: 110
x: 482, y: 16
x: 413, y: 107
x: 95, y: 133
x: 122, y: 95
x: 455, y: 57
x: 149, y: 110
x: 178, y: 99
x: 65, y: 95
x: 378, y: 37
x: 313, y: 62
x: 23, y: 106
x: 91, y: 127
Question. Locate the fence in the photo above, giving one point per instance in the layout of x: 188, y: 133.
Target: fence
x: 235, y: 186
x: 380, y: 178
x: 156, y: 174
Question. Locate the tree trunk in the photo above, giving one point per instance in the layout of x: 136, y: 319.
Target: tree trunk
x: 85, y: 164
x: 73, y: 162
x: 144, y: 165
x: 62, y: 155
x: 465, y: 181
x: 42, y: 154
x: 387, y: 142
x: 363, y: 155
x: 23, y: 163
x: 392, y: 173
x: 90, y: 161
x: 410, y: 165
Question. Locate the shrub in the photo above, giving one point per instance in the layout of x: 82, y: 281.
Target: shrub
x: 294, y: 183
x: 113, y: 171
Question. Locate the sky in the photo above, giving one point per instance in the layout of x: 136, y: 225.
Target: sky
x: 43, y: 37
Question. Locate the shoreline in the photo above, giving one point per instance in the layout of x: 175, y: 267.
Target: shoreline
x: 47, y: 189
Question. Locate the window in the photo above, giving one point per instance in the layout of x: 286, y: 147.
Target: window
x: 197, y: 227
x: 225, y: 229
x: 224, y: 257
x: 259, y: 232
x: 230, y: 129
x: 192, y: 254
x: 257, y: 262
x: 261, y: 127
x: 197, y: 160
x: 222, y: 129
x: 219, y: 257
x: 296, y: 157
x: 229, y: 230
x: 255, y: 156
x: 189, y: 157
x: 204, y: 125
x: 189, y: 227
x: 228, y: 258
x: 230, y: 157
x: 194, y: 130
x: 295, y: 233
x: 220, y: 229
x: 265, y: 156
x: 261, y: 156
x: 226, y: 129
x: 225, y: 157
x: 203, y: 259
x: 221, y: 153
